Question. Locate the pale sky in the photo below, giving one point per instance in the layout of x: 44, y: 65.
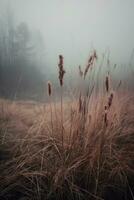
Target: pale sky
x: 73, y: 27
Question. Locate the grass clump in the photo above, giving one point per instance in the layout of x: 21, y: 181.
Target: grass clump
x: 80, y: 149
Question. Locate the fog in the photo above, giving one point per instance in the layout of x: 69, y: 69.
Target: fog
x: 74, y: 27
x: 33, y: 33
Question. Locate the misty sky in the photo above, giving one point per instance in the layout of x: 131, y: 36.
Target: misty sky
x: 73, y: 27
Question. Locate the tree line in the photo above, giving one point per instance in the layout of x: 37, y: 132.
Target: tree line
x: 21, y: 58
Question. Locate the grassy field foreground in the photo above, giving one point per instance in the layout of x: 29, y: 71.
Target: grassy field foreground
x: 79, y: 149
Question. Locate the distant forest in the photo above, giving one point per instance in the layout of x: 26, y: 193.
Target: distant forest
x: 22, y: 55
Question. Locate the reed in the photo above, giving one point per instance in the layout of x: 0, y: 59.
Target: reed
x: 61, y: 78
x: 49, y: 89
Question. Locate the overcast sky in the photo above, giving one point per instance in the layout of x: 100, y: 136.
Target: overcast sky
x: 73, y: 27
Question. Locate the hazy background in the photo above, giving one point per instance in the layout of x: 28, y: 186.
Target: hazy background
x: 73, y: 27
x: 68, y: 27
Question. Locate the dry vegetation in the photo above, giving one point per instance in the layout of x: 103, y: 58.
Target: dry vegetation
x: 80, y: 149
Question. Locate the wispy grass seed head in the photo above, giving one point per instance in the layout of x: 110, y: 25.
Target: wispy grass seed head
x: 91, y: 60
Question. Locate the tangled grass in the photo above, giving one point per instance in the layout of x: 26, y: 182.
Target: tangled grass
x: 80, y: 149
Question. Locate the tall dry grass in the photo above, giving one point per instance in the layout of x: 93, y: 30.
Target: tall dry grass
x: 80, y: 149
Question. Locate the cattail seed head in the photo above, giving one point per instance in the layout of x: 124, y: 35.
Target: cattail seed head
x: 61, y: 69
x: 60, y: 60
x: 91, y: 60
x: 105, y: 116
x: 80, y: 103
x: 107, y: 83
x: 110, y: 100
x: 49, y: 88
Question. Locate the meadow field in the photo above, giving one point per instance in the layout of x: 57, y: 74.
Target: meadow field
x: 79, y: 147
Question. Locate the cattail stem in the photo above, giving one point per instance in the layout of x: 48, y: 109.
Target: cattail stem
x: 61, y: 76
x: 49, y: 87
x: 51, y: 112
x: 62, y: 133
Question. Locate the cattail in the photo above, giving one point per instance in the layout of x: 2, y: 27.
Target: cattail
x: 110, y: 99
x: 88, y: 66
x: 91, y: 60
x: 61, y: 69
x: 105, y: 116
x: 86, y: 70
x: 61, y: 60
x: 107, y: 83
x: 80, y: 71
x: 80, y: 103
x: 49, y: 88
